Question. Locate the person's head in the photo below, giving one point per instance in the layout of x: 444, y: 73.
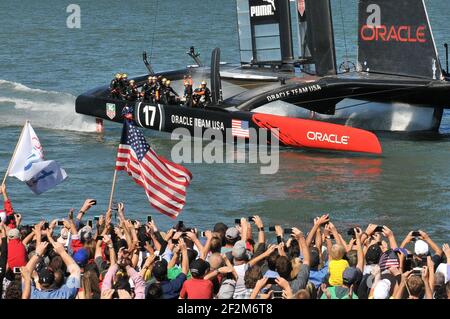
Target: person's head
x: 231, y: 236
x: 14, y: 290
x: 199, y: 268
x: 284, y: 267
x: 150, y: 79
x: 59, y: 279
x: 421, y: 248
x: 314, y: 259
x: 163, y: 81
x: 220, y: 228
x: 388, y: 260
x: 13, y: 233
x: 90, y: 285
x: 239, y: 251
x: 373, y: 254
x: 159, y: 270
x: 132, y: 83
x: 203, y: 85
x: 382, y: 289
x: 351, y: 276
x: 337, y: 252
x: 154, y: 291
x: 272, y: 260
x: 118, y: 76
x: 124, y: 76
x: 122, y: 282
x: 46, y: 277
x: 168, y: 82
x: 252, y: 275
x: 216, y: 244
x: 215, y: 261
x: 303, y: 294
x: 293, y: 251
x: 81, y: 257
x: 352, y: 258
x: 415, y: 286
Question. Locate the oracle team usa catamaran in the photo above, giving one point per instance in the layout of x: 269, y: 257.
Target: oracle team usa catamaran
x: 396, y: 84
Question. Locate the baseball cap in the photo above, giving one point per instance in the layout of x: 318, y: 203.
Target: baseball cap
x: 382, y: 289
x: 226, y: 290
x: 239, y: 250
x: 199, y: 267
x: 351, y: 275
x: 13, y: 233
x: 81, y: 257
x: 421, y: 248
x: 159, y: 270
x: 232, y: 233
x: 373, y: 254
x: 445, y: 270
x: 388, y: 259
x: 46, y: 276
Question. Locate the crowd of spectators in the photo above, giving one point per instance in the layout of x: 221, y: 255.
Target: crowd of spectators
x: 94, y: 258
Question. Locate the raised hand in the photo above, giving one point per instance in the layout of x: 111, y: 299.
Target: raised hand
x: 88, y: 203
x: 446, y: 250
x: 41, y: 248
x: 298, y: 234
x: 258, y: 221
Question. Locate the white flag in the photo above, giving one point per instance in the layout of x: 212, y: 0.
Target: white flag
x: 29, y: 165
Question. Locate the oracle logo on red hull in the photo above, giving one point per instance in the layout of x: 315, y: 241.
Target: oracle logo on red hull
x: 329, y: 138
x: 403, y: 33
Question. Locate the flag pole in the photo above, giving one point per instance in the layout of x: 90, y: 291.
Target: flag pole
x: 112, y: 189
x: 14, y: 153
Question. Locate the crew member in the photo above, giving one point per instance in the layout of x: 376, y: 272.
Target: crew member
x: 187, y: 96
x: 170, y: 96
x: 123, y: 84
x: 132, y: 93
x: 148, y: 90
x: 115, y: 86
x: 202, y: 96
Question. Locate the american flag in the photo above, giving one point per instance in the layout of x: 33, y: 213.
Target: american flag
x: 165, y: 183
x: 240, y: 128
x: 388, y: 259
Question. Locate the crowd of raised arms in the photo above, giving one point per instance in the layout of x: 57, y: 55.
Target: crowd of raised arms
x: 158, y: 89
x: 88, y: 257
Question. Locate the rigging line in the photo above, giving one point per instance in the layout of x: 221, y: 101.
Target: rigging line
x: 343, y: 27
x: 154, y: 29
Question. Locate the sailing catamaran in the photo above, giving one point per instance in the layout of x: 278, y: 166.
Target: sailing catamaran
x: 397, y: 83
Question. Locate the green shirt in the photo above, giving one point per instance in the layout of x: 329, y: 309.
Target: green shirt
x: 338, y: 292
x: 173, y: 273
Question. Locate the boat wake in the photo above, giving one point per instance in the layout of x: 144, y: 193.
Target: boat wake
x: 45, y: 109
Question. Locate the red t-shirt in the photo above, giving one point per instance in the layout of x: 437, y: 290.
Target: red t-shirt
x: 197, y: 289
x: 17, y: 254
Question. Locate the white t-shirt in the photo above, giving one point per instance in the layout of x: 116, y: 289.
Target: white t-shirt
x: 240, y: 284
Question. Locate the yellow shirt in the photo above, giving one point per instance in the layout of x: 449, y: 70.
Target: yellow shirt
x: 336, y: 269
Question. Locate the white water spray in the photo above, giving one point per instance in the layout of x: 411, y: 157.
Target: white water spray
x: 45, y: 109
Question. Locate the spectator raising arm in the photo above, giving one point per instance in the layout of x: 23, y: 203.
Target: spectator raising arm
x: 427, y: 239
x: 88, y: 203
x: 389, y: 234
x: 318, y: 222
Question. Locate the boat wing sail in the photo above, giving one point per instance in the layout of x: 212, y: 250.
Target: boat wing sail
x: 265, y: 35
x: 316, y: 36
x: 216, y: 83
x: 395, y: 37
